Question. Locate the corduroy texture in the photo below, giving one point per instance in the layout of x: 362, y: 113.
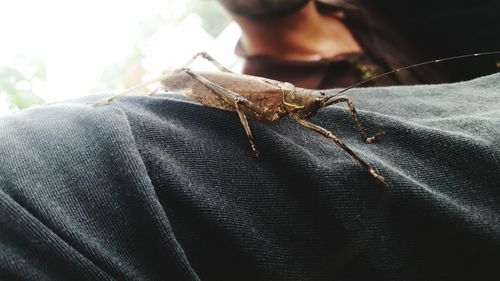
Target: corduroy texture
x: 160, y: 188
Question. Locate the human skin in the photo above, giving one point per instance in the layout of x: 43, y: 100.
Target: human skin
x: 303, y: 35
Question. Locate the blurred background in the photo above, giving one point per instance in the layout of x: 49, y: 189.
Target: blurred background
x: 57, y: 50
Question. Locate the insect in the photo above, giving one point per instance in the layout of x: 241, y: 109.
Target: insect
x: 266, y: 99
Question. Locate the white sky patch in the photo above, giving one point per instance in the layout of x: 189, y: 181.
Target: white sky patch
x: 78, y: 39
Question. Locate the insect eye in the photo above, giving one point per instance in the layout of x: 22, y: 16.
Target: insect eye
x: 322, y: 93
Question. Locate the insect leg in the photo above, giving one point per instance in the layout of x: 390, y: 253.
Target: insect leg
x: 239, y: 102
x: 205, y: 55
x: 342, y: 145
x: 154, y: 91
x: 358, y: 122
x: 244, y: 122
x: 209, y: 58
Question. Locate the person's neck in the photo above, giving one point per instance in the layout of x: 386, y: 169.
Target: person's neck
x: 303, y: 35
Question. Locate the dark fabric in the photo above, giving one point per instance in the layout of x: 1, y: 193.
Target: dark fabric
x: 160, y: 188
x: 446, y: 28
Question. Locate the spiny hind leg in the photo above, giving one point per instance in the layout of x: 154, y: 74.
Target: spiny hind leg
x: 342, y: 145
x: 209, y: 58
x: 204, y: 55
x: 238, y: 102
x: 357, y: 120
x: 157, y: 79
x: 109, y: 100
x: 186, y: 65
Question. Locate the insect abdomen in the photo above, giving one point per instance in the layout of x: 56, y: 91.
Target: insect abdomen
x: 252, y: 88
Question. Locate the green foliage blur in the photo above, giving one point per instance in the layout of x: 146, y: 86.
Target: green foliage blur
x: 17, y: 81
x: 215, y: 18
x: 17, y: 84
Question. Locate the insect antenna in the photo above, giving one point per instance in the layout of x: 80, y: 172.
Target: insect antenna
x: 331, y: 99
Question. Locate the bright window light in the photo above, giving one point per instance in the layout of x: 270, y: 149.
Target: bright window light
x: 57, y: 50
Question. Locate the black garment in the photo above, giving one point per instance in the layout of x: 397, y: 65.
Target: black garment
x: 159, y: 188
x: 438, y: 29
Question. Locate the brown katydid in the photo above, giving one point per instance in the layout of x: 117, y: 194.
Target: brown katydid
x: 267, y: 99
